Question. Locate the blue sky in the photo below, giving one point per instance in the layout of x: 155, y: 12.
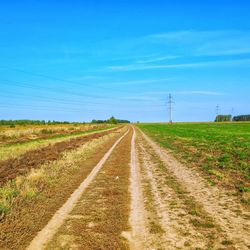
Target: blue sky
x: 79, y: 60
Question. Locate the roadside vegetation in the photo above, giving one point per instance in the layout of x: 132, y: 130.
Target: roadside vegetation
x: 27, y: 132
x: 220, y: 151
x: 22, y: 145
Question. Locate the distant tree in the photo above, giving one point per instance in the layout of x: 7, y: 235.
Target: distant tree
x: 98, y: 121
x: 112, y: 120
x: 123, y: 121
x: 223, y: 118
x: 241, y: 118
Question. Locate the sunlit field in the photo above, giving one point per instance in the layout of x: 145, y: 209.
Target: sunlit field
x: 220, y: 150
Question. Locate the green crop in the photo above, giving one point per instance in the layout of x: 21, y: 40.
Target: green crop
x: 221, y: 151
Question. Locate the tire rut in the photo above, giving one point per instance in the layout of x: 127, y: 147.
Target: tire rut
x: 224, y: 209
x: 172, y: 212
x: 46, y: 234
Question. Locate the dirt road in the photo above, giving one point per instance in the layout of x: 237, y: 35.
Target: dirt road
x: 140, y: 197
x: 57, y: 220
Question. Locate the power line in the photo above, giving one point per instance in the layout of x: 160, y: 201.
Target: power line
x: 47, y: 89
x: 49, y: 99
x: 51, y: 77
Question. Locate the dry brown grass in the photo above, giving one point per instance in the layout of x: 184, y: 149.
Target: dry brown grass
x: 16, y: 149
x: 12, y: 168
x: 23, y: 133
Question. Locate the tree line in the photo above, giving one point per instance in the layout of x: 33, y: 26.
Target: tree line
x: 111, y: 120
x: 35, y: 122
x: 228, y: 118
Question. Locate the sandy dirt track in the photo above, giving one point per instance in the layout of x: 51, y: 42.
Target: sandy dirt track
x: 139, y: 234
x: 39, y: 242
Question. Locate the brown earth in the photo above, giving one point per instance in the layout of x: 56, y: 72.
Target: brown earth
x: 11, y: 168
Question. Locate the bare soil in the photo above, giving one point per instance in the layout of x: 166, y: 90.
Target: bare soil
x: 11, y: 168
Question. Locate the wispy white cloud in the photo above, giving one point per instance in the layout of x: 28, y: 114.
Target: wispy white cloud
x: 139, y: 98
x: 138, y: 67
x: 198, y: 43
x: 158, y: 97
x: 190, y: 92
x: 87, y: 77
x: 157, y: 59
x: 135, y: 82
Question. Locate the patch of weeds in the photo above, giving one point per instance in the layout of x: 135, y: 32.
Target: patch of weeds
x: 30, y: 193
x: 173, y: 204
x: 243, y: 189
x: 155, y: 228
x: 7, y: 195
x: 187, y: 244
x: 218, y: 174
x: 194, y: 213
x: 245, y: 201
x: 212, y: 182
x: 226, y: 242
x: 47, y: 131
x: 198, y: 223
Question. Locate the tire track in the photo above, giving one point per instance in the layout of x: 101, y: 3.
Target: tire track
x: 223, y: 208
x: 139, y: 234
x: 46, y: 234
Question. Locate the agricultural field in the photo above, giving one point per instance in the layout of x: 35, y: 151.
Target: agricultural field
x: 20, y: 139
x: 220, y: 150
x: 145, y: 186
x: 24, y: 133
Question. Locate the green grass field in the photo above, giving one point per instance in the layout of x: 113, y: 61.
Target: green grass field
x: 220, y: 150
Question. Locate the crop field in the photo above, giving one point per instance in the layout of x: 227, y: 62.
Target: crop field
x: 221, y: 151
x: 144, y: 186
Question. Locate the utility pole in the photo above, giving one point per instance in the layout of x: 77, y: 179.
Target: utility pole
x: 217, y: 109
x: 170, y: 102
